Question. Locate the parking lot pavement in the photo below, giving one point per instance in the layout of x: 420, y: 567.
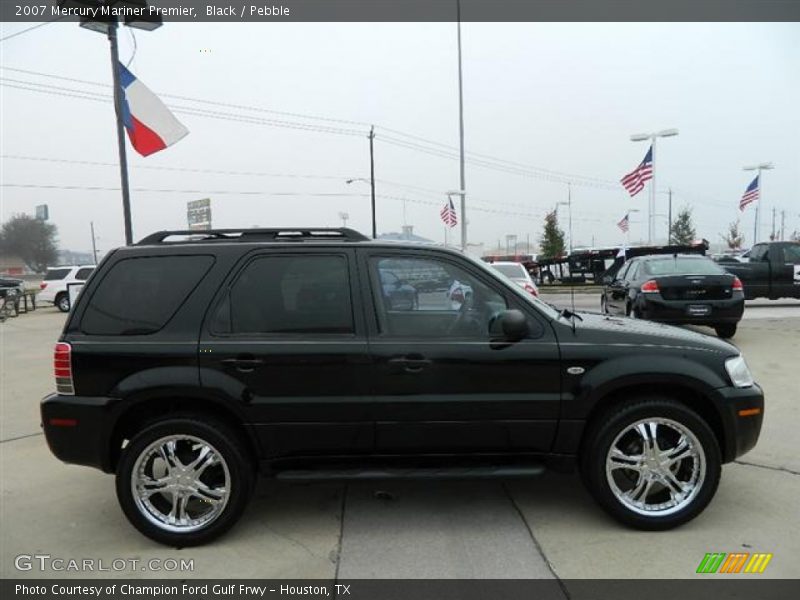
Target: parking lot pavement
x: 425, y: 529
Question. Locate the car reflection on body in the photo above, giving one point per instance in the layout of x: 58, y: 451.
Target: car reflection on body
x: 517, y: 273
x: 399, y: 294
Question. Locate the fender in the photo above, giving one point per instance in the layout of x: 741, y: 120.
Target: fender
x: 627, y: 371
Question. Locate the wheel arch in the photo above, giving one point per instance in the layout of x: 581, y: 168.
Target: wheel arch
x: 145, y: 410
x: 691, y: 397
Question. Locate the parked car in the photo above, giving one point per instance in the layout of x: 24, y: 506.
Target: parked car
x: 189, y: 365
x: 517, y: 273
x: 54, y: 288
x: 772, y: 271
x: 683, y: 288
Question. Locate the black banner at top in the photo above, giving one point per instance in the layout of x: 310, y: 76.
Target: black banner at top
x: 223, y: 11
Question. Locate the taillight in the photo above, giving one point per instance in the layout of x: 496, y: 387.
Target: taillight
x: 737, y: 284
x: 42, y: 285
x: 650, y: 287
x: 62, y: 366
x: 530, y: 289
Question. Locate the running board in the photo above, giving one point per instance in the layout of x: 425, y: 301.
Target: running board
x: 375, y: 474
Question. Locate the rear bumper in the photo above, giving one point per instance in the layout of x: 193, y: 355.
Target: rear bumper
x: 655, y: 308
x: 740, y: 431
x: 77, y: 429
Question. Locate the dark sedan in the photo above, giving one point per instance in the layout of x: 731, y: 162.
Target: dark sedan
x: 679, y: 288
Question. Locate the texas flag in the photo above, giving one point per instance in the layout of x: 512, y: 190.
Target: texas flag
x: 151, y: 127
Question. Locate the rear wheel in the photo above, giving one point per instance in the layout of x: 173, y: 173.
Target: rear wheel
x: 652, y: 464
x: 726, y: 330
x: 183, y: 482
x: 62, y: 302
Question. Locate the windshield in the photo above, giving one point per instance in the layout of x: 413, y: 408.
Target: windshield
x: 683, y: 265
x: 541, y: 306
x: 515, y: 271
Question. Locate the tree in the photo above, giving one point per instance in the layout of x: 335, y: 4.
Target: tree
x: 552, y: 242
x: 33, y: 240
x: 735, y: 237
x: 682, y: 229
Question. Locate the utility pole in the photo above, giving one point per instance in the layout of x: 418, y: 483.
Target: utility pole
x: 463, y: 187
x: 372, y: 178
x: 772, y: 235
x: 94, y: 243
x: 123, y: 158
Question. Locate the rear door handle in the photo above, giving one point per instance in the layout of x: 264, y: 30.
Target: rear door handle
x: 245, y: 365
x: 411, y: 364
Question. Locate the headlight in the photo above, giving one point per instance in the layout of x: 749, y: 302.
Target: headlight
x: 738, y: 372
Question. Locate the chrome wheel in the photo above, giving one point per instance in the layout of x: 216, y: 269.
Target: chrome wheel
x: 180, y: 483
x: 655, y: 467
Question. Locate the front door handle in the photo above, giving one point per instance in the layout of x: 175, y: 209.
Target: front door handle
x: 244, y: 364
x: 411, y: 363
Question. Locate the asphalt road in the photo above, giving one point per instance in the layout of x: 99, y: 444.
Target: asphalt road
x: 544, y: 527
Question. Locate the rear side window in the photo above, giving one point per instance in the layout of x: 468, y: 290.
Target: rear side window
x: 83, y: 274
x: 139, y: 295
x: 54, y: 274
x: 289, y: 295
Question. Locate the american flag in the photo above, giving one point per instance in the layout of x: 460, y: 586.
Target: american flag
x: 635, y: 180
x: 448, y: 214
x: 750, y: 194
x: 624, y: 224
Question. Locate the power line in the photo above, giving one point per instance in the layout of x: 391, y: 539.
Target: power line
x: 15, y: 34
x: 438, y: 149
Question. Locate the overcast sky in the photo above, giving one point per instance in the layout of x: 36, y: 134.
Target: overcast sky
x: 558, y: 97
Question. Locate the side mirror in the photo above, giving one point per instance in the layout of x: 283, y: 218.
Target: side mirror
x: 514, y: 325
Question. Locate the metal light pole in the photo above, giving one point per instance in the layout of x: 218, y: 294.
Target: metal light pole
x: 639, y: 137
x: 759, y: 167
x: 94, y: 242
x: 463, y: 187
x: 630, y: 210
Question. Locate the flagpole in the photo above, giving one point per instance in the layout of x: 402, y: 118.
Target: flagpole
x: 463, y: 192
x: 123, y: 159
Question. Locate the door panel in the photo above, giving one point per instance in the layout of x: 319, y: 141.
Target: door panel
x: 439, y: 382
x: 286, y: 339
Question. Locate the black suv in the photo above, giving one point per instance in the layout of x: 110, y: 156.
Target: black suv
x: 191, y: 362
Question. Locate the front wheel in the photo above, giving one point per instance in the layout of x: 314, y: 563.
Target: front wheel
x: 725, y: 330
x: 652, y: 464
x: 183, y: 482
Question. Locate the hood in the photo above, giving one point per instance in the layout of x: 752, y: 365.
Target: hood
x: 623, y: 330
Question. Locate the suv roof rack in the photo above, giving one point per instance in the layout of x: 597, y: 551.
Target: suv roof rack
x: 294, y: 234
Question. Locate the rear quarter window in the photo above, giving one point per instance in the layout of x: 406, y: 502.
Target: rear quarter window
x: 140, y: 295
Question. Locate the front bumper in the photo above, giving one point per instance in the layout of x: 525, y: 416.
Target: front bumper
x: 655, y: 308
x: 78, y: 429
x: 740, y: 429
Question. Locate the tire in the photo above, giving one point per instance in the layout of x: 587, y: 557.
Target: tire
x: 62, y: 302
x: 658, y: 504
x: 726, y: 330
x: 215, y: 498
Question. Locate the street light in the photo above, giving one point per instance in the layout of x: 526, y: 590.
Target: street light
x: 344, y: 216
x: 759, y: 167
x: 640, y: 137
x: 107, y: 25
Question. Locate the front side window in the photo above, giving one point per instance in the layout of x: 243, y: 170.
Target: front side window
x: 430, y: 298
x: 302, y: 294
x: 83, y: 274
